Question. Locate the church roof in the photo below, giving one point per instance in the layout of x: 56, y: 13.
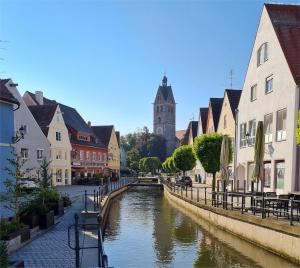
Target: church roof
x: 286, y: 22
x: 165, y: 90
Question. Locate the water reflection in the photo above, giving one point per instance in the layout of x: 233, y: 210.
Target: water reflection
x: 144, y: 230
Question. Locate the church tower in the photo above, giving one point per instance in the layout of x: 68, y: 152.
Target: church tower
x: 164, y: 115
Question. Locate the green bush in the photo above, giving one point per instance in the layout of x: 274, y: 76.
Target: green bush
x: 67, y: 200
x: 3, y: 255
x: 7, y: 228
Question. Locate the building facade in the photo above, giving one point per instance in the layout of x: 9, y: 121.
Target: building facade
x: 88, y: 155
x: 34, y: 147
x: 164, y: 115
x: 227, y: 125
x: 109, y: 137
x: 8, y: 103
x: 271, y: 94
x: 51, y: 121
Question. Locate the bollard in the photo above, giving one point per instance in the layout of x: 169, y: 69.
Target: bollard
x: 205, y: 195
x: 292, y: 206
x: 186, y: 191
x: 97, y: 198
x: 77, y: 248
x: 99, y: 240
x: 192, y: 193
x: 94, y: 199
x: 85, y: 200
x: 232, y: 196
x: 197, y: 194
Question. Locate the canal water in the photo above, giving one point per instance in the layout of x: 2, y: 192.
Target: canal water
x: 144, y: 230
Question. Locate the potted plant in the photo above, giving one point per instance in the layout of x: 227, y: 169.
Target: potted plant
x: 13, y: 199
x: 29, y: 216
x: 46, y: 216
x: 67, y: 201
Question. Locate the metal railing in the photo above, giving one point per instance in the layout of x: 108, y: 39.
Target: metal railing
x: 266, y: 205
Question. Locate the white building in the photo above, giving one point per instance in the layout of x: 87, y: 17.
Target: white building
x: 271, y: 94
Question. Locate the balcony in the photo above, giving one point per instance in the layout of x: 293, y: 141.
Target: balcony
x: 88, y: 163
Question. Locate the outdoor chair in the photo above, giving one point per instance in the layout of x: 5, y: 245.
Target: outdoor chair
x: 282, y: 205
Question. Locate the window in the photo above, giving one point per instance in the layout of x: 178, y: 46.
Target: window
x: 243, y: 135
x: 269, y: 84
x: 99, y: 156
x: 39, y: 154
x: 267, y: 174
x: 66, y: 174
x: 24, y: 153
x: 157, y: 108
x: 225, y: 121
x: 161, y: 108
x: 94, y: 156
x: 87, y: 155
x: 104, y: 157
x: 252, y: 132
x: 281, y: 125
x: 250, y: 173
x: 262, y: 54
x: 279, y: 174
x: 74, y: 154
x: 58, y: 136
x: 58, y: 155
x: 159, y: 120
x: 58, y: 175
x: 81, y: 155
x: 268, y: 125
x: 253, y: 96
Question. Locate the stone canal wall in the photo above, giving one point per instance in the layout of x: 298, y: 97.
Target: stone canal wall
x: 281, y: 239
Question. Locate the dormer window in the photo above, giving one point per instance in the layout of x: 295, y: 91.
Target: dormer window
x: 262, y: 54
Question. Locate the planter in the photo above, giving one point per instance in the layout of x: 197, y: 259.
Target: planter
x: 24, y: 233
x: 59, y: 208
x: 32, y: 220
x: 17, y: 264
x: 46, y: 220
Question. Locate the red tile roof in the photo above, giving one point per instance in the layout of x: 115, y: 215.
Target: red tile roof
x: 286, y: 22
x: 5, y: 94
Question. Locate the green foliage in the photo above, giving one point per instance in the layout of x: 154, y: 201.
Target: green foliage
x: 133, y: 157
x: 207, y: 149
x: 45, y: 182
x: 67, y: 200
x: 146, y: 143
x: 7, y: 228
x: 184, y: 158
x: 14, y: 196
x: 169, y: 165
x: 149, y: 164
x: 298, y: 129
x: 3, y: 255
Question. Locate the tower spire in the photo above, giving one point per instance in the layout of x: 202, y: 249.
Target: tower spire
x: 165, y: 80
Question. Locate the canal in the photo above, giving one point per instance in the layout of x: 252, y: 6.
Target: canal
x: 144, y: 230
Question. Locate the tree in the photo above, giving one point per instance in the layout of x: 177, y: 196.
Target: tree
x: 207, y: 149
x: 150, y: 164
x: 169, y: 165
x: 15, y: 196
x: 184, y: 158
x: 133, y: 157
x: 157, y: 146
x: 298, y: 129
x: 141, y: 164
x: 45, y: 182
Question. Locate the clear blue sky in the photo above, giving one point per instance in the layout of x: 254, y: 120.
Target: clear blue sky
x: 107, y: 59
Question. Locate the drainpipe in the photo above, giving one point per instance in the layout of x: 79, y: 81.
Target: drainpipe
x: 235, y: 148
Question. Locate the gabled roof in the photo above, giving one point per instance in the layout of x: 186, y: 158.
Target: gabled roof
x: 103, y: 133
x: 203, y: 116
x: 165, y: 90
x: 71, y: 117
x: 234, y: 96
x: 180, y: 134
x: 191, y: 129
x: 216, y: 106
x: 43, y: 114
x: 5, y: 94
x: 285, y: 19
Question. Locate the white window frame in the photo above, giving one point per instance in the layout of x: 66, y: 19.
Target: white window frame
x: 58, y: 136
x: 243, y: 140
x: 280, y: 133
x: 268, y: 133
x: 252, y: 132
x: 268, y: 79
x: 252, y: 97
x: 37, y: 154
x: 81, y: 155
x: 24, y: 153
x: 262, y: 54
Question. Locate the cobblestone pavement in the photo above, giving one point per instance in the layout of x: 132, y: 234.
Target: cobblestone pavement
x: 51, y: 249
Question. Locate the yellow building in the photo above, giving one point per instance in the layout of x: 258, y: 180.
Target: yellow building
x: 226, y: 124
x: 50, y: 120
x: 111, y: 140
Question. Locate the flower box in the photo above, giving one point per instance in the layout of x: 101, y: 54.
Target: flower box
x: 32, y: 220
x: 46, y: 220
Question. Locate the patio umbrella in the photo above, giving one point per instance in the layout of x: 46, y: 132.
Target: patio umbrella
x: 225, y: 157
x: 259, y: 151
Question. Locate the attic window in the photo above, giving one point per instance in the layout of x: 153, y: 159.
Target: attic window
x: 262, y: 54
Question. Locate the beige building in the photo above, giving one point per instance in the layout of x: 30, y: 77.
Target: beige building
x: 110, y: 138
x: 50, y: 120
x: 226, y: 125
x: 271, y: 94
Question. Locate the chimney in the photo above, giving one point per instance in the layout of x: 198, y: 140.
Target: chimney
x: 39, y: 97
x: 89, y: 123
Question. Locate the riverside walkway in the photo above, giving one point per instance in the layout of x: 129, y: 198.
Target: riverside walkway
x: 51, y: 248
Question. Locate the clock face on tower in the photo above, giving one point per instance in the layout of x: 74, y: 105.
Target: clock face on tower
x: 159, y: 130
